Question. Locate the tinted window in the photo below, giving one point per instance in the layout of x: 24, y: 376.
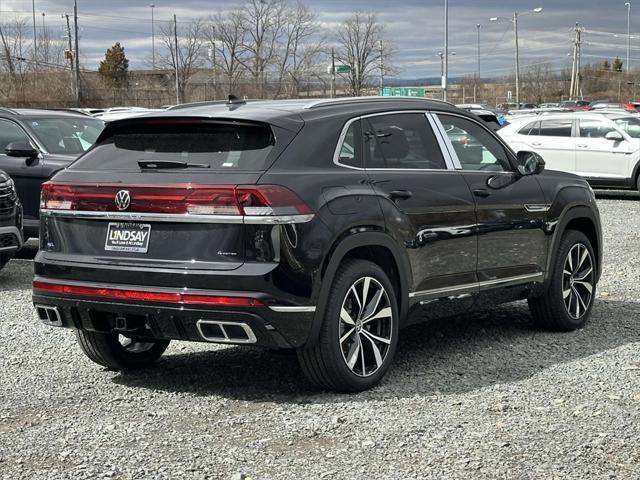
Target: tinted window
x: 631, y: 125
x: 9, y: 133
x: 594, y: 129
x: 66, y: 136
x: 531, y: 129
x: 350, y: 149
x: 401, y: 141
x: 220, y: 146
x: 476, y: 148
x: 555, y: 128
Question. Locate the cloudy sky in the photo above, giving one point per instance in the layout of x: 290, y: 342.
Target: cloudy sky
x: 415, y: 27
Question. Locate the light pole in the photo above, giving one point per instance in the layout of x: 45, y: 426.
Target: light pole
x: 153, y: 39
x: 514, y: 21
x: 442, y: 71
x: 628, y: 5
x: 478, y: 26
x: 445, y: 68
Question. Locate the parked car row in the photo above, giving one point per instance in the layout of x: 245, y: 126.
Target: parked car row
x: 322, y: 226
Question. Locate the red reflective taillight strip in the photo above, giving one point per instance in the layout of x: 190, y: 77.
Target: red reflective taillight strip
x: 260, y: 200
x: 147, y: 296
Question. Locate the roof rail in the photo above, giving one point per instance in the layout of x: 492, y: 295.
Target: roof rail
x: 9, y: 110
x: 347, y: 100
x: 197, y: 104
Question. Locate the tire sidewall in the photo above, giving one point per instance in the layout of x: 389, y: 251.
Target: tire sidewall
x: 353, y: 271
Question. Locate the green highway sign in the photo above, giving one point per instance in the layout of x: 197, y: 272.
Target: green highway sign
x: 402, y: 92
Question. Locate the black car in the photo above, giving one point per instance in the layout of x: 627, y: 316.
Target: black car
x: 35, y: 144
x: 320, y: 226
x: 10, y: 220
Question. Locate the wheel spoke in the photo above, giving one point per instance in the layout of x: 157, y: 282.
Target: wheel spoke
x: 353, y: 292
x: 376, y: 351
x: 373, y: 305
x: 372, y: 337
x: 584, y: 256
x: 584, y: 306
x: 347, y: 335
x: 364, y: 368
x: 584, y: 274
x: 346, y: 318
x: 352, y: 357
x: 570, y: 260
x: 565, y: 293
x: 365, y: 293
x: 586, y: 285
x: 384, y: 313
x: 577, y: 302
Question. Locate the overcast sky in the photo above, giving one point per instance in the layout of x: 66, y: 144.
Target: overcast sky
x: 415, y: 27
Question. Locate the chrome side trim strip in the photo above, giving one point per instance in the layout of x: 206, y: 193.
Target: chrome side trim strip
x: 535, y: 207
x: 478, y: 285
x: 180, y: 218
x: 288, y: 309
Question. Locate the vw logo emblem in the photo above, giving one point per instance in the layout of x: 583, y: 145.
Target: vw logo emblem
x: 123, y: 199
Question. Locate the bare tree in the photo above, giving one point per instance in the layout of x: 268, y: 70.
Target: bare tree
x: 264, y: 22
x: 50, y: 51
x: 539, y: 83
x: 189, y: 55
x: 359, y: 38
x: 228, y: 41
x: 12, y: 45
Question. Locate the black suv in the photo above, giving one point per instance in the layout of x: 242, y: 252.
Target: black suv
x: 35, y: 144
x: 10, y: 220
x: 324, y: 226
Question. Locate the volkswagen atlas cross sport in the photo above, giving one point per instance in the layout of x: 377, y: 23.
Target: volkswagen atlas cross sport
x: 323, y: 227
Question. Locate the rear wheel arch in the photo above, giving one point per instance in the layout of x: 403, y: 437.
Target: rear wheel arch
x: 375, y: 246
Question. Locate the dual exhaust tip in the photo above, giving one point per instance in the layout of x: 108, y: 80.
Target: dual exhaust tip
x: 49, y: 315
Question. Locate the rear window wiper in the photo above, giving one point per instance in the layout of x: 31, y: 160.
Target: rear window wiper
x: 159, y: 164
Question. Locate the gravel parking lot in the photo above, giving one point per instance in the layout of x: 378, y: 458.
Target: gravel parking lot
x: 485, y: 396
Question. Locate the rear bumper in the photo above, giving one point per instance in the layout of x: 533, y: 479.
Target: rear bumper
x: 10, y: 239
x: 270, y: 324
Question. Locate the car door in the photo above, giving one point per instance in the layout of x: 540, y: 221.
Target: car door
x: 552, y: 139
x: 428, y: 202
x: 599, y: 157
x: 25, y: 173
x: 510, y: 207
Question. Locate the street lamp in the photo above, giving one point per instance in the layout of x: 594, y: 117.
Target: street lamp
x: 628, y: 5
x: 514, y: 21
x: 445, y: 69
x: 442, y: 74
x: 478, y: 26
x: 153, y: 39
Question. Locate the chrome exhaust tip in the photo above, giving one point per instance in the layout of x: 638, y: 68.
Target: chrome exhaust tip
x: 49, y: 315
x: 225, y: 332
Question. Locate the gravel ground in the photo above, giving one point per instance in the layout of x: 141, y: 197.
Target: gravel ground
x: 481, y: 397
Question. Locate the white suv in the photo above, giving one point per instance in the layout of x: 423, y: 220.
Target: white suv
x: 602, y: 147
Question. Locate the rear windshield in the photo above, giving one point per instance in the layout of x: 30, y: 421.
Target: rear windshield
x: 219, y: 146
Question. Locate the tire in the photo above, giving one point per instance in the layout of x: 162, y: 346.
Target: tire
x: 109, y: 350
x: 347, y: 366
x: 557, y: 309
x: 4, y: 259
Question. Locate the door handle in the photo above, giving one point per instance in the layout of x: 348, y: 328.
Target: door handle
x: 582, y: 145
x: 400, y: 194
x: 536, y: 144
x: 481, y: 192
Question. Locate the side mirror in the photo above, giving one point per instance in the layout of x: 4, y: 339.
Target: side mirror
x: 530, y: 163
x: 22, y: 150
x: 615, y: 136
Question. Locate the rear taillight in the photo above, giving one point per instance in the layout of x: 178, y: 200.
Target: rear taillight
x: 247, y: 200
x: 146, y: 296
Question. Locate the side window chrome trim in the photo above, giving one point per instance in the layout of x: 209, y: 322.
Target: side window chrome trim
x: 448, y: 146
x: 345, y: 129
x: 496, y: 137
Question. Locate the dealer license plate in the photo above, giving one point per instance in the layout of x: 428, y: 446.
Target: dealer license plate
x: 128, y: 237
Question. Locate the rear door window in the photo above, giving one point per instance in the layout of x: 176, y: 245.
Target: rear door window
x: 594, y: 128
x: 401, y: 141
x: 555, y: 128
x: 220, y: 146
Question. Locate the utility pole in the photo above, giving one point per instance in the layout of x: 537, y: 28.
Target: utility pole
x: 35, y: 44
x: 177, y: 57
x: 70, y: 55
x: 333, y: 73
x: 153, y: 39
x: 515, y: 29
x: 213, y: 61
x: 574, y: 89
x: 77, y: 51
x: 445, y: 70
x: 628, y: 5
x: 381, y: 68
x: 478, y: 26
